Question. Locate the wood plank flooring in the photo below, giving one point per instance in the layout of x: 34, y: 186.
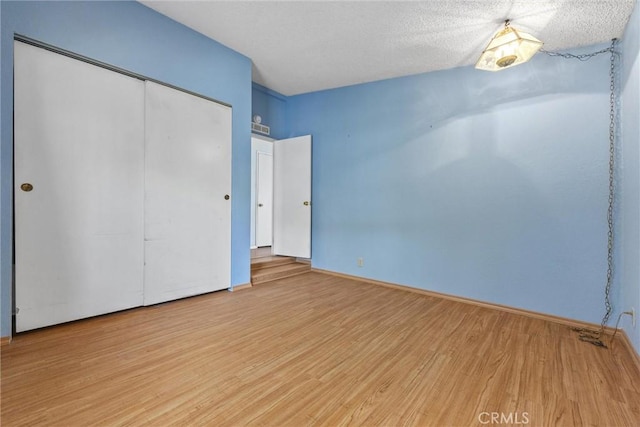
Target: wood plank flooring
x: 314, y: 350
x: 270, y: 268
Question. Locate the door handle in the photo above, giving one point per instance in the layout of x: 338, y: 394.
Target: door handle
x: 306, y: 203
x: 26, y: 187
x: 259, y: 205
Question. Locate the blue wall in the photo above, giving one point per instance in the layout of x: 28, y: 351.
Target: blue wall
x: 490, y: 186
x: 628, y: 259
x: 136, y: 38
x: 271, y: 106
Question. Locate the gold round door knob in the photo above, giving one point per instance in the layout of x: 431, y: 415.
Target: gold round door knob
x: 26, y: 187
x: 306, y: 203
x: 226, y: 197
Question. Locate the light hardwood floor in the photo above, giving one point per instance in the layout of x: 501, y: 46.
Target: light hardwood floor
x: 264, y: 251
x: 314, y: 350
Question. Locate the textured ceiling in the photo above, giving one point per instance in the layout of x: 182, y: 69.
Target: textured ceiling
x: 305, y: 46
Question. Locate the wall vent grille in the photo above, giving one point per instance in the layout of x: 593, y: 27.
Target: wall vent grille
x: 256, y: 127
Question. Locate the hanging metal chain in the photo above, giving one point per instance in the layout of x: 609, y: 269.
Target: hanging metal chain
x: 580, y: 57
x: 587, y: 335
x: 612, y: 158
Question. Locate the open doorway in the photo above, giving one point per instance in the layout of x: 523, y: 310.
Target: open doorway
x: 280, y: 208
x: 281, y: 196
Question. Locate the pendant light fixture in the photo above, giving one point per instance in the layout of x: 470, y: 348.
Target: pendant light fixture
x: 507, y: 48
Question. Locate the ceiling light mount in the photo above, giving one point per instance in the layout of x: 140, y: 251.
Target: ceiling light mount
x: 507, y: 48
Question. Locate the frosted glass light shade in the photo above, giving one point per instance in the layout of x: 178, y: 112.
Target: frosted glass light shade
x: 507, y: 48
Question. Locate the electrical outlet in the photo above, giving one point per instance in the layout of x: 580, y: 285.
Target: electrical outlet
x: 360, y: 262
x: 632, y: 313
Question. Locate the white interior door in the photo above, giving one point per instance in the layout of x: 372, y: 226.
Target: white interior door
x: 187, y: 184
x: 79, y: 133
x: 264, y: 199
x: 292, y: 197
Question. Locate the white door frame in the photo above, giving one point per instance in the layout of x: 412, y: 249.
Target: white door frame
x: 263, y: 144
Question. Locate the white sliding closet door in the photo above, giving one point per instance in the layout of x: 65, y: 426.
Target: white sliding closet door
x: 187, y: 184
x: 79, y: 141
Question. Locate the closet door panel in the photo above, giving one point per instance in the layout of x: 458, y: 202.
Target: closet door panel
x: 79, y: 141
x: 187, y: 176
